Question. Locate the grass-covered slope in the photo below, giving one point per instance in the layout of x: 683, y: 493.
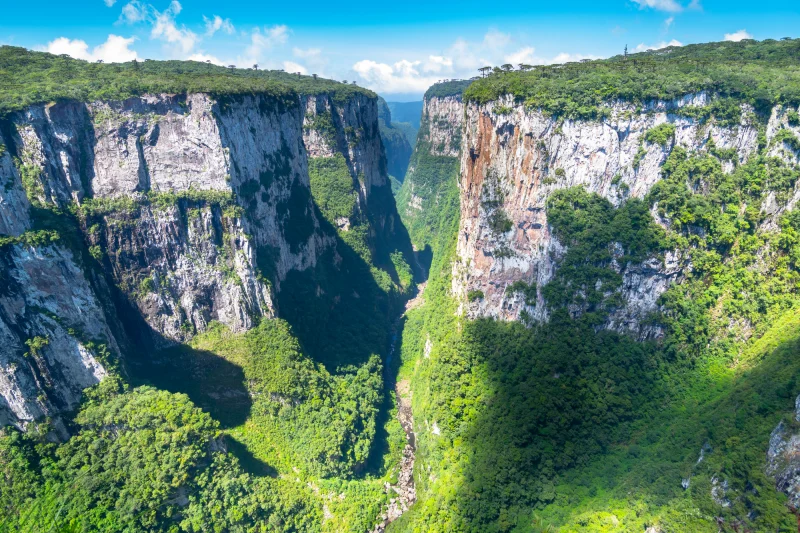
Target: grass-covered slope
x: 37, y: 77
x: 762, y: 73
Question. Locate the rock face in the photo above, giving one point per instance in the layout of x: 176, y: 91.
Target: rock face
x: 434, y: 164
x: 442, y: 124
x: 783, y: 459
x: 56, y: 335
x: 193, y: 208
x: 514, y: 159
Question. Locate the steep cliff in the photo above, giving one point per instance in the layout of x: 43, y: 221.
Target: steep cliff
x: 608, y: 340
x: 194, y: 208
x: 227, y: 236
x: 429, y: 187
x: 515, y: 159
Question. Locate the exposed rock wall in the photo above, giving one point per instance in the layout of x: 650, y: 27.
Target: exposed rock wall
x: 521, y: 156
x: 195, y: 207
x: 783, y: 458
x: 442, y: 124
x: 55, y: 333
x: 433, y: 167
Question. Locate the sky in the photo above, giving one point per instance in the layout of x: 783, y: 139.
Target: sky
x: 397, y: 49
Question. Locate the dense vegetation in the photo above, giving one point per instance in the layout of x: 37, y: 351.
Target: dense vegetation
x: 37, y: 77
x: 761, y: 73
x: 447, y: 88
x: 141, y: 460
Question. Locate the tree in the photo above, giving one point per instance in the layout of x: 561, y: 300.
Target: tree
x: 484, y: 70
x: 508, y: 67
x: 524, y: 67
x: 231, y: 67
x: 255, y: 67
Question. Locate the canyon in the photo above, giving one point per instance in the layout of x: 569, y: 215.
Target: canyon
x: 606, y: 293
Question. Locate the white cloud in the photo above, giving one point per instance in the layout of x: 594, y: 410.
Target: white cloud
x: 165, y: 29
x: 291, y: 66
x: 132, y: 12
x: 308, y: 53
x: 641, y: 47
x: 110, y: 3
x: 217, y: 23
x: 461, y: 60
x: 465, y: 56
x: 569, y: 58
x: 661, y: 5
x: 496, y: 39
x: 260, y: 42
x: 203, y: 58
x: 116, y: 49
x: 668, y: 22
x: 402, y: 77
x: 438, y: 64
x: 315, y: 62
x: 523, y: 55
x: 738, y: 36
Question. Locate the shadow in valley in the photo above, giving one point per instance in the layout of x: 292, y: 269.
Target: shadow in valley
x: 249, y: 462
x: 337, y: 309
x: 211, y: 382
x: 574, y: 424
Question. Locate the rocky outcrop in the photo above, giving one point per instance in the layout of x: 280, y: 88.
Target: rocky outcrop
x: 185, y: 265
x: 433, y: 169
x: 57, y: 337
x: 783, y: 458
x: 193, y: 207
x: 442, y: 124
x: 14, y: 206
x: 513, y: 158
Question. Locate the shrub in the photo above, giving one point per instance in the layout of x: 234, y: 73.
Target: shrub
x: 499, y: 221
x: 528, y: 291
x: 475, y: 295
x: 660, y: 134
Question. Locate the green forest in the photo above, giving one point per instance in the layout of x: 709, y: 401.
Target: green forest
x: 761, y: 73
x: 35, y: 77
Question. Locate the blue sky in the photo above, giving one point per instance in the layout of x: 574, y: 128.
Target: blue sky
x: 397, y: 49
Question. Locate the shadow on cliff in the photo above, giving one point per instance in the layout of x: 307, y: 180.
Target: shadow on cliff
x: 211, y: 382
x: 345, y: 311
x: 342, y: 309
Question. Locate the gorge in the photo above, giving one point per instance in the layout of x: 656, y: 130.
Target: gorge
x: 213, y: 315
